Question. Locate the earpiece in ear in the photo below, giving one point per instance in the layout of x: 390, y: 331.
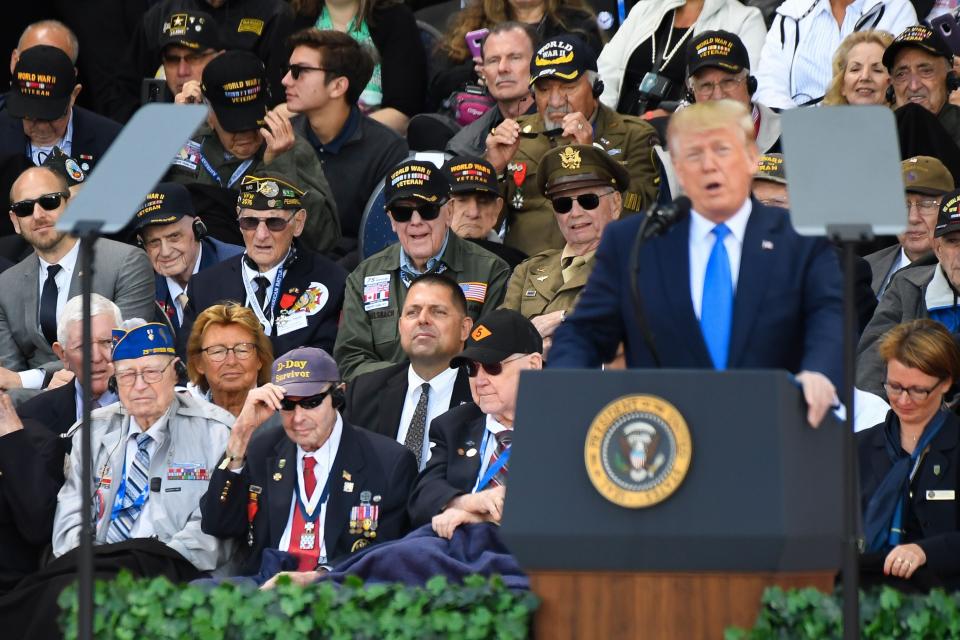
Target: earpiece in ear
x: 112, y: 384
x: 891, y: 96
x: 337, y: 399
x: 751, y: 85
x: 597, y: 88
x: 199, y: 229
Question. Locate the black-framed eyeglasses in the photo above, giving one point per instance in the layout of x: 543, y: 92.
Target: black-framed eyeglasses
x: 274, y: 223
x: 310, y: 402
x: 427, y: 210
x: 241, y: 351
x: 296, y: 69
x: 47, y: 202
x: 917, y: 394
x: 493, y: 368
x: 127, y: 377
x: 587, y: 202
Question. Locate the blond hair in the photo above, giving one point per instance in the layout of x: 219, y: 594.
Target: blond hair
x: 227, y: 314
x: 834, y: 95
x: 713, y: 114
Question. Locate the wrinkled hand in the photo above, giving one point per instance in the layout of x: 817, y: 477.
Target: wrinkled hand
x: 819, y: 393
x: 9, y: 379
x: 61, y: 378
x: 547, y: 324
x: 190, y: 94
x: 488, y: 502
x: 447, y: 522
x: 261, y: 403
x: 9, y: 420
x: 278, y: 134
x: 903, y: 560
x: 502, y: 144
x: 478, y: 69
x: 575, y: 125
x: 301, y: 578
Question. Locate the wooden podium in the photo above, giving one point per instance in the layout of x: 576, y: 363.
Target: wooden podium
x: 761, y: 505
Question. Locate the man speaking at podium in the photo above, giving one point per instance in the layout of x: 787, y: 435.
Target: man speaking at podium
x: 732, y: 286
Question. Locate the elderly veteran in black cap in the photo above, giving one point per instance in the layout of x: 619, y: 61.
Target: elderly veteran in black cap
x: 176, y: 242
x: 476, y: 204
x: 919, y: 62
x: 243, y: 138
x: 188, y: 41
x: 295, y: 292
x: 925, y: 180
x: 584, y: 185
x: 313, y: 486
x: 770, y: 181
x: 920, y: 291
x: 416, y: 193
x: 566, y: 89
x: 465, y: 479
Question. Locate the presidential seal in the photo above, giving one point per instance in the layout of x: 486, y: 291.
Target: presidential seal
x: 637, y: 451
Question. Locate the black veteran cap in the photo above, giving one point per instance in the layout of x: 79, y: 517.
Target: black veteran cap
x: 416, y: 180
x: 718, y: 49
x: 42, y: 83
x: 564, y: 57
x: 497, y: 336
x: 468, y: 174
x: 948, y: 220
x: 770, y: 168
x: 579, y: 165
x: 194, y: 30
x: 167, y: 203
x: 920, y: 37
x: 66, y: 166
x: 235, y: 83
x: 926, y: 175
x: 268, y: 191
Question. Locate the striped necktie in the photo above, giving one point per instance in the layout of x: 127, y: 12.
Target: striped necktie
x: 136, y: 485
x: 504, y: 438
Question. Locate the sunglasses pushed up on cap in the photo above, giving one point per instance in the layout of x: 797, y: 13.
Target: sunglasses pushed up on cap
x: 587, y: 201
x: 47, y: 202
x: 404, y: 213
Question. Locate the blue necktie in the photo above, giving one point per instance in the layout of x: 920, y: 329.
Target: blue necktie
x: 716, y: 311
x: 137, y: 484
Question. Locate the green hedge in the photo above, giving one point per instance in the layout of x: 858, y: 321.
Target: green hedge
x: 800, y: 614
x: 129, y: 609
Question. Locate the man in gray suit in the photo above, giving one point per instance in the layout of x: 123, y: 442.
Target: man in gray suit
x: 34, y: 292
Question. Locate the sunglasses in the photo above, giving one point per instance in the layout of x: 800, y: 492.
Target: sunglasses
x: 249, y: 223
x: 493, y: 368
x: 403, y: 213
x: 296, y: 69
x: 587, y: 201
x: 310, y: 402
x: 47, y: 202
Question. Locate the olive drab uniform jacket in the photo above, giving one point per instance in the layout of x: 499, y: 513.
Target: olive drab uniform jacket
x: 537, y: 288
x: 531, y: 227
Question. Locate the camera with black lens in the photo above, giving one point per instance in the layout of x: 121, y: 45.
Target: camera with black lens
x: 652, y: 91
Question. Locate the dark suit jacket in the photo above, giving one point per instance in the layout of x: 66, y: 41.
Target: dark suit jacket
x: 56, y: 409
x: 375, y: 399
x: 214, y: 252
x: 787, y: 313
x: 450, y: 472
x: 224, y: 282
x: 371, y: 462
x: 939, y: 520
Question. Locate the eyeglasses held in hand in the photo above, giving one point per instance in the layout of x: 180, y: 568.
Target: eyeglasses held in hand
x: 587, y: 201
x: 310, y: 402
x: 403, y: 213
x: 241, y: 350
x: 127, y: 377
x: 47, y: 202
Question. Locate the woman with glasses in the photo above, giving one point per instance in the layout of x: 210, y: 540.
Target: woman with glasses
x: 859, y: 76
x: 910, y: 464
x: 227, y: 355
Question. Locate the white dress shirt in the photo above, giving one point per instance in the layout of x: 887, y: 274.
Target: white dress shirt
x: 175, y: 289
x: 325, y: 457
x: 143, y: 525
x: 701, y: 242
x: 441, y: 390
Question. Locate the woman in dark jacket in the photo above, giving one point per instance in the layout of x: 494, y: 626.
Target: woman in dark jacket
x: 909, y: 465
x: 396, y: 91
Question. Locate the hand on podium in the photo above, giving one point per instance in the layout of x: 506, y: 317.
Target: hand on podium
x: 819, y: 393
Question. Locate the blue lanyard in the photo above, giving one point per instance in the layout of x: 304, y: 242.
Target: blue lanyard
x: 302, y: 505
x: 621, y: 11
x: 216, y: 175
x: 122, y: 493
x: 495, y: 467
x: 896, y: 524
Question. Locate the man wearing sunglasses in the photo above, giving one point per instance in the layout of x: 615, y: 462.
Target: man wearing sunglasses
x: 242, y: 138
x: 314, y: 487
x: 295, y: 293
x: 189, y: 40
x: 566, y: 89
x: 416, y: 192
x: 465, y: 479
x: 34, y: 292
x: 584, y: 185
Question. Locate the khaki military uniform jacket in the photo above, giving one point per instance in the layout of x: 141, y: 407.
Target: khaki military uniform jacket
x: 322, y: 229
x: 369, y: 339
x: 536, y: 287
x: 530, y: 224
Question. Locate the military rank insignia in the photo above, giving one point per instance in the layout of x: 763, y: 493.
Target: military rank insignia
x: 364, y: 518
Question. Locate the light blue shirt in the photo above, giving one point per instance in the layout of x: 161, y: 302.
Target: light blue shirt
x: 406, y: 264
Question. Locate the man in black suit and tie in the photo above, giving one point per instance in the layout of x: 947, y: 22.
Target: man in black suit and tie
x: 315, y: 486
x: 402, y: 400
x: 465, y: 478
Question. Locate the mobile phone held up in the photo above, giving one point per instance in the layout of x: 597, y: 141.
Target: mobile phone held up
x: 474, y: 40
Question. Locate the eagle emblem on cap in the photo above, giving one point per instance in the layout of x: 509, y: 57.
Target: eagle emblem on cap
x: 570, y: 158
x: 480, y: 333
x: 269, y: 189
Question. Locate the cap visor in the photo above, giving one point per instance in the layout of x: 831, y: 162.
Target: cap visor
x: 480, y: 354
x: 237, y: 118
x: 927, y: 191
x: 305, y: 389
x: 21, y: 106
x: 473, y: 188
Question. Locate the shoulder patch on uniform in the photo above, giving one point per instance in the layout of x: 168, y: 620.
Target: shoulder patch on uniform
x: 189, y: 156
x: 376, y: 291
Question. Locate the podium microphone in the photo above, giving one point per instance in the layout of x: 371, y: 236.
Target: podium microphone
x: 661, y: 218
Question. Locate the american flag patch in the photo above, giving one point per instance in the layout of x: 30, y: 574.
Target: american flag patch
x: 474, y: 291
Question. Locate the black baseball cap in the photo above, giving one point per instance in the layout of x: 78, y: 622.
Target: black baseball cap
x: 167, y: 203
x: 235, y: 83
x: 919, y: 37
x: 468, y: 174
x: 718, y: 49
x: 564, y: 57
x: 191, y: 29
x: 416, y: 180
x: 43, y: 82
x: 948, y: 220
x: 497, y: 336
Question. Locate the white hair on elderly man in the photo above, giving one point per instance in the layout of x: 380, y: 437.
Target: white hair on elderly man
x: 73, y: 312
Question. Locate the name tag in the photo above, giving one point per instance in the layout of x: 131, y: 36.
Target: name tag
x: 941, y: 494
x: 291, y: 322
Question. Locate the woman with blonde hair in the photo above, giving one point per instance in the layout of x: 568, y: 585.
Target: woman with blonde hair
x: 859, y: 76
